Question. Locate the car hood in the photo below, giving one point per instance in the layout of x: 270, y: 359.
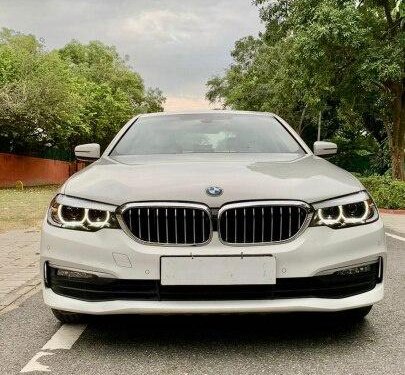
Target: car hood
x: 242, y: 177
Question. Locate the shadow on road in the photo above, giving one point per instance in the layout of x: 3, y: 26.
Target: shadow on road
x: 205, y: 330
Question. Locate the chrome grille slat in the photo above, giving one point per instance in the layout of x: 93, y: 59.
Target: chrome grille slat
x: 262, y: 222
x: 226, y: 224
x: 254, y: 223
x: 167, y: 223
x: 193, y: 226
x: 272, y: 225
x: 167, y: 228
x: 299, y: 219
x: 244, y: 225
x: 175, y: 225
x: 203, y: 224
x: 148, y: 225
x: 185, y: 225
x: 157, y: 225
x: 236, y: 224
x: 139, y: 223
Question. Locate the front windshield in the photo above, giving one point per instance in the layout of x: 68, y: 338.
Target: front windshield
x: 206, y: 133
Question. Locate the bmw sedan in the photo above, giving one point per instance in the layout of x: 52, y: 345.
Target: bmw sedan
x: 211, y: 212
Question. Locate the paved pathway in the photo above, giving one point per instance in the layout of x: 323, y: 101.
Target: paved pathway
x: 19, y: 272
x: 19, y: 256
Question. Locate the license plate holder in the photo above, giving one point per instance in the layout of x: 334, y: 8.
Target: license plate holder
x: 217, y: 270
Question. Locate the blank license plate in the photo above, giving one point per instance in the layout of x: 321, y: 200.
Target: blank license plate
x: 214, y: 270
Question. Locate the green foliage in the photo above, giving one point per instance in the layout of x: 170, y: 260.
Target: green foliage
x: 342, y: 58
x: 80, y: 93
x: 386, y: 192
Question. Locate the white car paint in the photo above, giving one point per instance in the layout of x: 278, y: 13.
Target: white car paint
x: 243, y: 177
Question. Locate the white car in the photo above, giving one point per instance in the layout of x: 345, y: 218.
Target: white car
x: 211, y: 212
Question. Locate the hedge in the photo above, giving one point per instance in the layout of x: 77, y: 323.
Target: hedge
x: 386, y: 192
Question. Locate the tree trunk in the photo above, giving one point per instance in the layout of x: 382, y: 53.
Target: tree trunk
x: 397, y: 132
x: 397, y: 162
x: 300, y: 126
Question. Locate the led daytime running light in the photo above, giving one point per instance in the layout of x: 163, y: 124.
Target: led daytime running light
x: 343, y: 220
x: 326, y: 221
x: 355, y: 220
x: 71, y: 223
x: 86, y: 219
x: 98, y: 224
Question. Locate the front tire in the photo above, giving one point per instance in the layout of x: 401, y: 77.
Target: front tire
x: 68, y: 317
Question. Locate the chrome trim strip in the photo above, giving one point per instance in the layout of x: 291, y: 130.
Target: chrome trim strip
x: 275, y: 203
x: 176, y: 205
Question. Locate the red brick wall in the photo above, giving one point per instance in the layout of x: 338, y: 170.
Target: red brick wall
x: 32, y: 171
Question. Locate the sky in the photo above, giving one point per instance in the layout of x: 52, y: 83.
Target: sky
x: 175, y: 45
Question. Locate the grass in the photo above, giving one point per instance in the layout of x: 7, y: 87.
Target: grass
x: 22, y: 209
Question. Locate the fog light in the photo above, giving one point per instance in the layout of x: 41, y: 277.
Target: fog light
x: 74, y: 274
x: 354, y: 270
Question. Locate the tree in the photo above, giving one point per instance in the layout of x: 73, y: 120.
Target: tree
x: 77, y: 94
x: 113, y: 92
x: 37, y: 93
x: 317, y: 55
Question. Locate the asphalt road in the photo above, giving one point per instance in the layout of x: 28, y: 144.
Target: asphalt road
x: 220, y: 344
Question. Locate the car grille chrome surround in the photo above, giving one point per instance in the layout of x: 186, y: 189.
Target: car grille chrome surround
x: 262, y: 222
x: 166, y: 223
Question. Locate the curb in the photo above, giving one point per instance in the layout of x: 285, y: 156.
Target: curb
x: 391, y: 211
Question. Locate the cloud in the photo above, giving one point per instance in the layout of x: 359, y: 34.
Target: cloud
x: 162, y: 25
x: 175, y: 45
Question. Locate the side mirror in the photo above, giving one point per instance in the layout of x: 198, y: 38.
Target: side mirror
x: 88, y: 152
x: 322, y: 148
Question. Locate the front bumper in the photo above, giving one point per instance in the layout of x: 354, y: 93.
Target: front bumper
x: 110, y: 253
x: 205, y: 307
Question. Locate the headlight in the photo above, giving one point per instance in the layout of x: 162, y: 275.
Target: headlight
x: 81, y: 214
x: 355, y: 209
